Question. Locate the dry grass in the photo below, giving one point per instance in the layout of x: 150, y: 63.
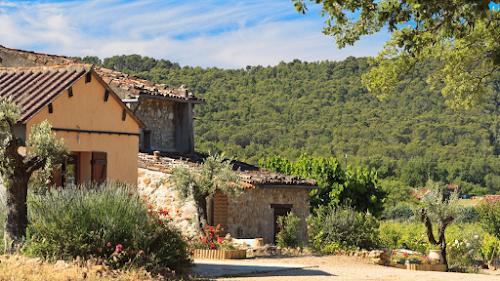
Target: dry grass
x: 468, y: 202
x: 17, y: 267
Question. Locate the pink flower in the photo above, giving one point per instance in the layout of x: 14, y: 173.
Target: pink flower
x: 131, y: 252
x: 118, y: 247
x: 99, y: 249
x: 93, y: 224
x: 109, y: 244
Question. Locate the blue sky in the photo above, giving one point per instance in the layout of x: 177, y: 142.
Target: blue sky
x: 225, y: 34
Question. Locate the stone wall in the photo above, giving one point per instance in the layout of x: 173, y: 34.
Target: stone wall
x: 162, y: 197
x: 158, y: 116
x: 251, y: 214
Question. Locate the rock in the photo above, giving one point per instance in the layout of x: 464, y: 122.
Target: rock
x: 36, y: 261
x: 61, y: 264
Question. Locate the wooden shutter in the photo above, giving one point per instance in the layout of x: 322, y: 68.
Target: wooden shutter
x: 99, y: 166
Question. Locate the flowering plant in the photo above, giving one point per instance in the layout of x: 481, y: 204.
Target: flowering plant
x: 463, y: 251
x: 210, y: 239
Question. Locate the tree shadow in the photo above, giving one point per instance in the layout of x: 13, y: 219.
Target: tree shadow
x: 230, y: 270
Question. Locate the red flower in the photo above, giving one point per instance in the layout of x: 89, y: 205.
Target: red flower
x: 150, y: 223
x: 99, y: 249
x: 212, y: 246
x: 405, y: 254
x: 220, y: 239
x: 160, y: 222
x: 187, y: 219
x: 150, y: 207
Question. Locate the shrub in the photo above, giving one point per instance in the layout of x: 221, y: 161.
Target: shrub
x: 410, y: 236
x: 463, y: 251
x: 289, y: 230
x: 400, y: 212
x: 110, y: 222
x: 343, y: 224
x: 488, y: 246
x: 467, y: 214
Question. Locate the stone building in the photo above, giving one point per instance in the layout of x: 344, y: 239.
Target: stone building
x: 253, y: 214
x: 167, y: 113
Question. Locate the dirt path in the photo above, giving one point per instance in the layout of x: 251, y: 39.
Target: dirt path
x: 350, y: 268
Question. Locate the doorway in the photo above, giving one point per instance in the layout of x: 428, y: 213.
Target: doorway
x: 279, y: 211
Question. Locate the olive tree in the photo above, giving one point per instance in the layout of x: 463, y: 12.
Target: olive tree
x: 17, y: 167
x: 215, y: 173
x: 441, y: 211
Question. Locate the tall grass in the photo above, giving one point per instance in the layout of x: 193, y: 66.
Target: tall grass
x: 110, y: 221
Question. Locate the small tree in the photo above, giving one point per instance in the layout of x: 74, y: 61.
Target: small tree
x: 16, y: 168
x: 490, y: 217
x: 289, y: 230
x: 440, y: 210
x: 215, y: 173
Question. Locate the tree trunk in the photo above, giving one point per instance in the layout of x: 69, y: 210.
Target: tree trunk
x: 201, y: 208
x: 17, y: 210
x: 441, y: 228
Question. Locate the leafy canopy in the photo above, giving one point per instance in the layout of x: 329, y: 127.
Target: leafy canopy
x: 215, y: 173
x: 462, y: 34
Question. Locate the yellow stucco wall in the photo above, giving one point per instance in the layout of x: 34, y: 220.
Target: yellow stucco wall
x: 88, y: 110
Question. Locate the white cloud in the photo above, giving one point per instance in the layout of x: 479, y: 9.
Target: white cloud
x: 228, y: 34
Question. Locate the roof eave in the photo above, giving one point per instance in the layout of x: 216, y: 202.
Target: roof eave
x: 295, y: 186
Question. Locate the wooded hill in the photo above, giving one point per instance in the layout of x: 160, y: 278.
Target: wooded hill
x: 322, y: 109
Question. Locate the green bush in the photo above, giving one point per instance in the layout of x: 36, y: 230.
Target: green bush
x: 404, y: 235
x: 488, y: 246
x: 343, y: 224
x: 110, y: 222
x: 400, y: 212
x: 467, y: 214
x: 289, y: 230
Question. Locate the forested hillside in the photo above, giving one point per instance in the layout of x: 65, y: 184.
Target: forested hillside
x: 321, y: 109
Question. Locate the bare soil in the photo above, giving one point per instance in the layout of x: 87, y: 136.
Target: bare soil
x: 352, y: 268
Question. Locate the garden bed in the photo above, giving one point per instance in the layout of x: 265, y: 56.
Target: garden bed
x: 219, y: 254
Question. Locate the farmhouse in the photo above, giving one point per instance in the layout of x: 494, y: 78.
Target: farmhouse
x: 100, y: 131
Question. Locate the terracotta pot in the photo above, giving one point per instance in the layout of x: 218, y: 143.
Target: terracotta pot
x: 437, y: 255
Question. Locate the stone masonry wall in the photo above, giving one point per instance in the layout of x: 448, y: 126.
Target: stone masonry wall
x: 164, y: 198
x: 251, y: 215
x: 158, y: 116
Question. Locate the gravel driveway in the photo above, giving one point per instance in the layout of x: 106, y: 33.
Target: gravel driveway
x: 347, y: 268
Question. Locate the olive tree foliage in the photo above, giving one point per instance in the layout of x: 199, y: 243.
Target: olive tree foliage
x: 461, y: 34
x: 17, y: 167
x: 439, y: 210
x: 215, y: 173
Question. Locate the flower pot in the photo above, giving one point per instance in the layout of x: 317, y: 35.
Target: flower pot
x: 436, y: 255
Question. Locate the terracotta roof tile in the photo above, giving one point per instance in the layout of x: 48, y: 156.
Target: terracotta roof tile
x: 492, y: 198
x: 134, y: 85
x: 35, y: 88
x: 250, y: 175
